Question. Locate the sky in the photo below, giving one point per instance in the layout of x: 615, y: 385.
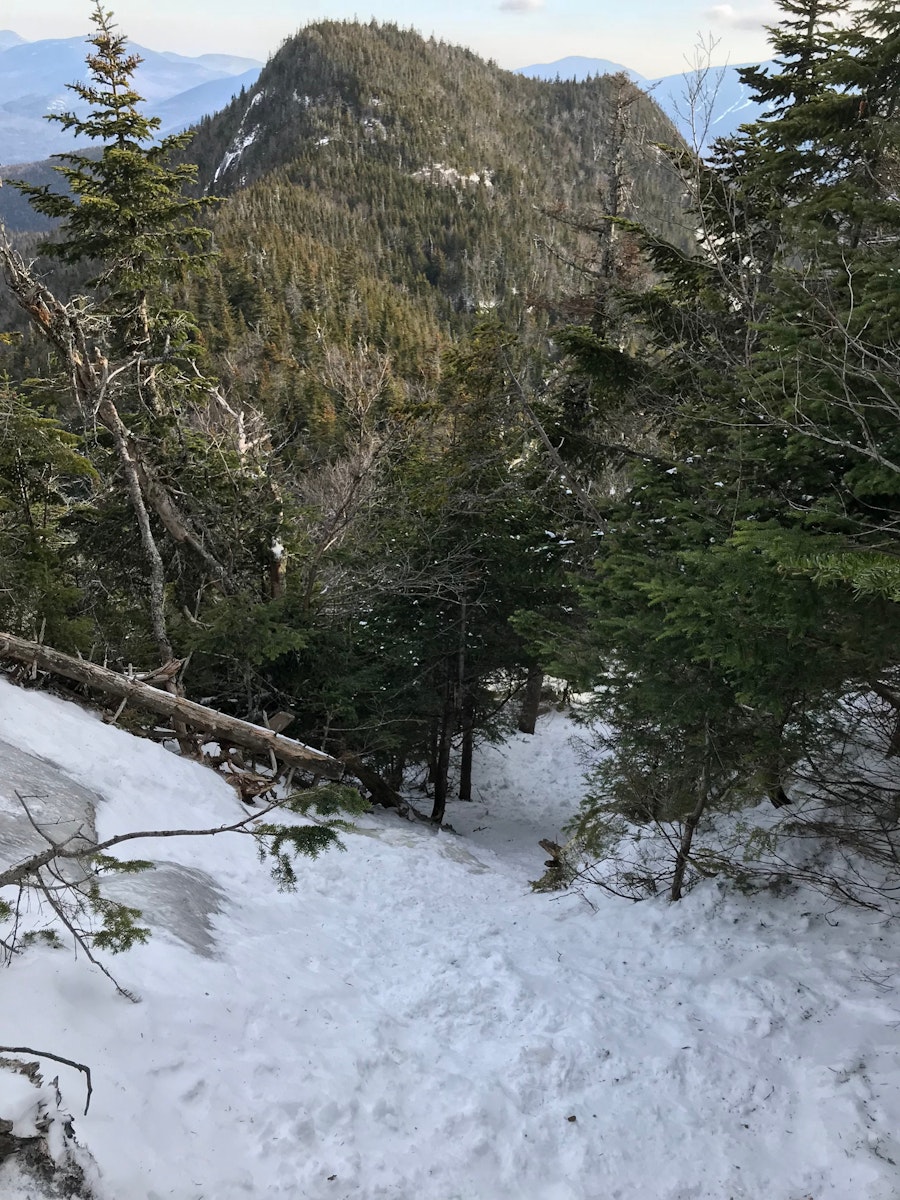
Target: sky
x: 654, y: 37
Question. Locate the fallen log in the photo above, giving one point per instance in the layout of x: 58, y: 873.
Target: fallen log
x: 381, y: 792
x: 217, y: 725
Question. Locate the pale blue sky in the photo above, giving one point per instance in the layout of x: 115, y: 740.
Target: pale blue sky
x: 655, y: 37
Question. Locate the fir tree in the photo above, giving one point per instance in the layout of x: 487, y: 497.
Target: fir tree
x: 760, y: 452
x: 125, y: 210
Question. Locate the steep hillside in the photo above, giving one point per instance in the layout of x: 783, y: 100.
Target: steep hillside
x: 724, y: 102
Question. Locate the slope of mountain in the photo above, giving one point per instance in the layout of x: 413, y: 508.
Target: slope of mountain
x: 722, y: 102
x: 187, y: 108
x: 228, y: 64
x: 8, y: 38
x: 34, y: 75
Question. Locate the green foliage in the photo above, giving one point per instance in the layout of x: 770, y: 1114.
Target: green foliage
x: 40, y: 937
x: 328, y: 800
x: 123, y: 209
x: 133, y: 866
x: 44, y: 481
x: 280, y: 845
x: 745, y: 576
x: 119, y: 929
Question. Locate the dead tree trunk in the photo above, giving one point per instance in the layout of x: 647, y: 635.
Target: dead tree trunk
x: 216, y: 725
x: 382, y: 792
x: 68, y: 330
x: 157, y: 582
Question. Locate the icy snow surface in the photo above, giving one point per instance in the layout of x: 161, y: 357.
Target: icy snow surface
x: 415, y: 1024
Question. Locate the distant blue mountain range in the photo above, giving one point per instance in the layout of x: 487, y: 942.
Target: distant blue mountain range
x: 723, y: 102
x: 33, y: 78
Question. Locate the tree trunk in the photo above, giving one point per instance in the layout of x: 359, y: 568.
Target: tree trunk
x: 109, y: 415
x: 434, y: 742
x: 893, y: 749
x: 531, y: 700
x: 442, y: 765
x: 142, y: 695
x: 683, y: 856
x: 468, y: 747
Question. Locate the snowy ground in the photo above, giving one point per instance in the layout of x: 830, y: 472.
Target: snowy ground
x: 415, y: 1024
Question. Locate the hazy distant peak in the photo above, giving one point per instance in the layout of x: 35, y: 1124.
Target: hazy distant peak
x: 227, y: 64
x: 577, y: 67
x: 8, y: 38
x: 230, y: 63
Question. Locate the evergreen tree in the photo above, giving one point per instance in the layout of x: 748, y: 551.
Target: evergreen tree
x: 44, y: 482
x: 125, y: 210
x: 734, y: 600
x: 131, y: 355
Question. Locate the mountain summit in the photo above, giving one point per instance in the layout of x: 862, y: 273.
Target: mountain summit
x: 420, y: 155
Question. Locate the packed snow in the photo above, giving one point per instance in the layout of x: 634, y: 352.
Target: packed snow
x: 415, y: 1023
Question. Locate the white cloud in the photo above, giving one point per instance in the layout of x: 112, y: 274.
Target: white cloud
x: 741, y: 18
x: 521, y: 6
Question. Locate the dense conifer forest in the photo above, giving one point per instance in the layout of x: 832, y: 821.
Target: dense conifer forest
x: 429, y: 379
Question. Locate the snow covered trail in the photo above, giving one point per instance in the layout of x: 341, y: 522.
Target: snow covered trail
x: 415, y: 1024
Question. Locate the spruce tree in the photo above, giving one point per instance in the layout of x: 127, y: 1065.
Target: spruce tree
x: 734, y: 600
x: 126, y: 210
x: 128, y: 352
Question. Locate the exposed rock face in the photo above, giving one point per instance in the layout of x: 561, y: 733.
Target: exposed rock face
x: 56, y: 802
x: 182, y: 900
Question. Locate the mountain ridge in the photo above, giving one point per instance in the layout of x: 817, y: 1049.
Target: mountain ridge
x: 387, y: 190
x: 723, y: 102
x: 34, y: 78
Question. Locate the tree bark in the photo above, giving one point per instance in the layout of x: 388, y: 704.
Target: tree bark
x: 378, y: 788
x: 683, y: 856
x: 109, y: 415
x: 442, y: 764
x: 531, y: 700
x: 468, y: 747
x: 885, y: 693
x: 207, y: 720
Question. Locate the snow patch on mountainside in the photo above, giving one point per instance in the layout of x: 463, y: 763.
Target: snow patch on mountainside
x: 445, y: 176
x: 242, y: 139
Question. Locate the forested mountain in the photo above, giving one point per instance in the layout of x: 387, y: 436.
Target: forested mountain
x: 401, y: 224
x: 390, y: 189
